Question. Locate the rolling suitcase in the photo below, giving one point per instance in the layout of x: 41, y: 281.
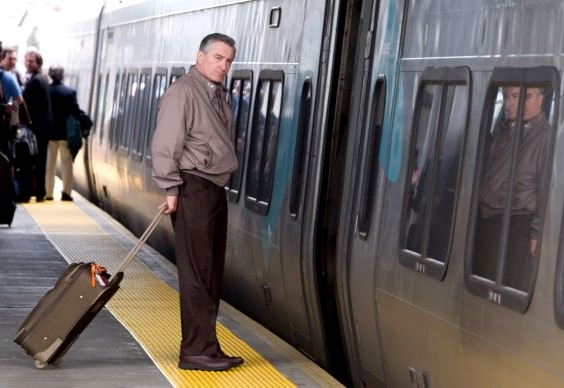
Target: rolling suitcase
x: 66, y: 310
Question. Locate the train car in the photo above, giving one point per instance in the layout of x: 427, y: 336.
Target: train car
x: 131, y: 51
x: 363, y: 131
x: 417, y: 310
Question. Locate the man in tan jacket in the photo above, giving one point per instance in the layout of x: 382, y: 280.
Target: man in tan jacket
x: 528, y: 190
x: 193, y: 157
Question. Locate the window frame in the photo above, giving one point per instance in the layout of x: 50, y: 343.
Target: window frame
x: 175, y: 73
x: 140, y: 119
x: 261, y: 203
x: 95, y: 111
x: 496, y: 292
x: 162, y: 74
x: 443, y: 77
x: 131, y: 88
x: 117, y: 108
x: 301, y: 149
x: 372, y: 135
x: 235, y: 184
x: 102, y: 106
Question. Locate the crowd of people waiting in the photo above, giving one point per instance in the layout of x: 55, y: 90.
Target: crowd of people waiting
x: 40, y: 116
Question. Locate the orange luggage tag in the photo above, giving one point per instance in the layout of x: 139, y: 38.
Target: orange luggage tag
x: 97, y: 274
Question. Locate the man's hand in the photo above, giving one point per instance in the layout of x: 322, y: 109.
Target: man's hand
x: 532, y: 247
x: 170, y: 204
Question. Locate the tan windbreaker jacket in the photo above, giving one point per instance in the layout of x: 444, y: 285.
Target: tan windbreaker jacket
x: 190, y: 136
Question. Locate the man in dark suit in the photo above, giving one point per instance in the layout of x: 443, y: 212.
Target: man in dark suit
x: 38, y: 101
x: 63, y: 104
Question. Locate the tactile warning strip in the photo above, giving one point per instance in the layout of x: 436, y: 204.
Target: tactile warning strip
x: 147, y: 306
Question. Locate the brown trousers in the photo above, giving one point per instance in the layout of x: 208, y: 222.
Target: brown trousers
x: 519, y: 265
x: 200, y: 227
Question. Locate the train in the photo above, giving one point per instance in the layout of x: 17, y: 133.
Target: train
x: 346, y: 111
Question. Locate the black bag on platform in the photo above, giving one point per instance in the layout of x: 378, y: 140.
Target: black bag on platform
x: 24, y: 150
x: 27, y: 141
x: 7, y: 192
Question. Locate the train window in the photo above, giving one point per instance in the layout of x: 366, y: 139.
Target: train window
x: 97, y: 103
x: 241, y: 88
x: 512, y: 182
x: 372, y: 135
x: 120, y: 109
x: 101, y: 114
x: 301, y: 144
x: 159, y: 86
x: 264, y: 141
x: 141, y: 114
x: 438, y: 132
x: 176, y: 73
x: 117, y: 109
x: 130, y: 103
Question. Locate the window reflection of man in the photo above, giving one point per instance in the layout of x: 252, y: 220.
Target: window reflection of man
x: 529, y: 190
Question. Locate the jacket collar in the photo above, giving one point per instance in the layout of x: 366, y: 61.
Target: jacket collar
x: 210, y: 86
x: 509, y: 125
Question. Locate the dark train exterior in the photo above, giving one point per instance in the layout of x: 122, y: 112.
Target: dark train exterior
x: 345, y: 111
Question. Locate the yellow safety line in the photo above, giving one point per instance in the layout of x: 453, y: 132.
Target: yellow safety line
x: 149, y: 309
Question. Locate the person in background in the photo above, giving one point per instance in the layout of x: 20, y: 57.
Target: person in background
x: 11, y: 98
x: 8, y: 63
x: 37, y: 98
x: 63, y: 104
x: 10, y: 83
x: 529, y: 190
x: 193, y: 158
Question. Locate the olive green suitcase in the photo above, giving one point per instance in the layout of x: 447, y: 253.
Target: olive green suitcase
x: 66, y: 310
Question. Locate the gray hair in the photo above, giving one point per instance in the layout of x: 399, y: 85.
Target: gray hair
x: 216, y: 37
x: 57, y: 73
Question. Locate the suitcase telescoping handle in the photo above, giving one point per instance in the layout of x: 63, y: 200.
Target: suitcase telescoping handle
x: 131, y: 255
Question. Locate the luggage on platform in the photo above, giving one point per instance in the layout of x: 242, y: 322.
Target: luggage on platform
x: 7, y: 192
x: 66, y: 310
x: 25, y: 150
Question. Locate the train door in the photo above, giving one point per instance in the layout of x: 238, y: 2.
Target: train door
x: 331, y: 185
x: 316, y: 187
x: 371, y: 159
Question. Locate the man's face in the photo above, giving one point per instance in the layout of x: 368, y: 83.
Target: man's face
x: 216, y: 62
x: 533, y: 103
x: 30, y: 63
x: 9, y: 61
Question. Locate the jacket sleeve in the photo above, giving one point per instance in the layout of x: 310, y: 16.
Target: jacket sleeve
x: 168, y: 141
x: 543, y: 185
x: 73, y: 106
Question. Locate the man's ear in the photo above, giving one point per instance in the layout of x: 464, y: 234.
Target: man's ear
x: 200, y: 56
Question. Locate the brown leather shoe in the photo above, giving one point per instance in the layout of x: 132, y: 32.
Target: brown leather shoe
x: 209, y: 363
x: 235, y: 361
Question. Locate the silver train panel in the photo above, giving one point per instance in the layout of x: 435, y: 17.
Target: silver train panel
x: 264, y: 267
x: 356, y: 259
x: 436, y: 330
x: 330, y: 274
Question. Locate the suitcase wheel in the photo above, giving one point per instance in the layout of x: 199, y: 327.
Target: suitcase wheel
x: 40, y: 365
